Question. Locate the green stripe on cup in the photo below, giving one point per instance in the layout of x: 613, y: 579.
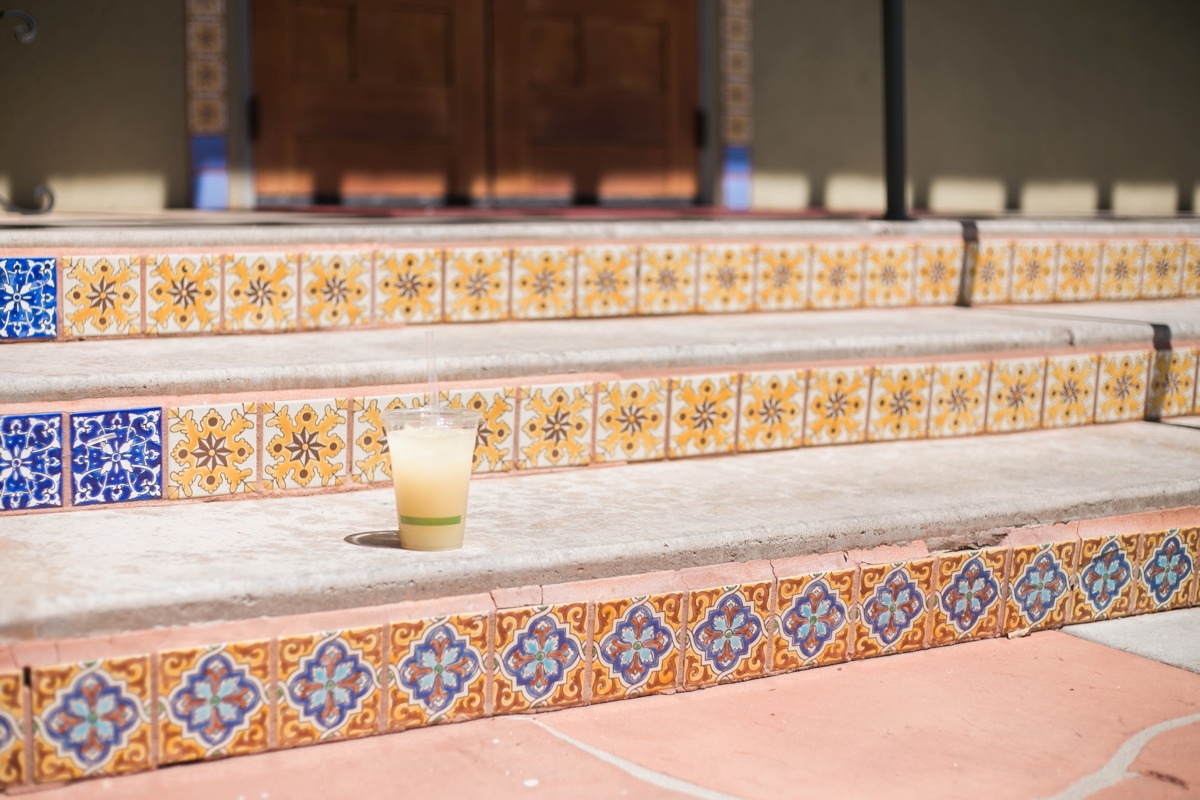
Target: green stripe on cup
x: 431, y: 521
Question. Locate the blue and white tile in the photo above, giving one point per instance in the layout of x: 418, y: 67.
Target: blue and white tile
x: 30, y: 461
x: 116, y: 456
x: 28, y: 298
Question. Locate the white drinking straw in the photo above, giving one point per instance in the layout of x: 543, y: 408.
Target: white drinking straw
x: 431, y: 364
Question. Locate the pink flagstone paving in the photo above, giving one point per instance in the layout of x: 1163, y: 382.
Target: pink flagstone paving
x: 1000, y: 718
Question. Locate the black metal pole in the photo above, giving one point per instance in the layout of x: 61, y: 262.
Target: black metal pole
x: 893, y: 107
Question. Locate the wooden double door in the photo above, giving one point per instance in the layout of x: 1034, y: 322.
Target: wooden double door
x: 519, y: 101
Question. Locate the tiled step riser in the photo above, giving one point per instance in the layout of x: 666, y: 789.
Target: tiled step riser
x: 90, y: 294
x: 247, y: 446
x: 269, y: 674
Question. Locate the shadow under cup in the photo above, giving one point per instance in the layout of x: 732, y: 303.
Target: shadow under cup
x: 431, y: 452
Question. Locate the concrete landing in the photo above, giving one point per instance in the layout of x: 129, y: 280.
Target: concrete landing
x: 98, y: 571
x: 50, y: 371
x: 1170, y: 638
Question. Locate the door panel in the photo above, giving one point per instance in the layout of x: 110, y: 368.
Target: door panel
x: 369, y: 99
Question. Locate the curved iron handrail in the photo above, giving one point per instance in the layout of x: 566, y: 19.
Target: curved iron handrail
x: 25, y: 32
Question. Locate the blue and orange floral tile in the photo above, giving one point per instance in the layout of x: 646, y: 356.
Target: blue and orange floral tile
x: 703, y: 415
x: 631, y: 420
x: 900, y: 396
x: 727, y: 634
x: 991, y: 272
x: 28, y: 298
x: 1078, y: 275
x: 304, y: 443
x: 1120, y: 270
x: 837, y: 276
x: 1039, y: 580
x: 1033, y: 272
x: 772, y: 410
x: 1172, y: 383
x: 889, y: 275
x: 959, y: 399
x: 116, y: 456
x: 837, y: 405
x: 477, y: 284
x: 1167, y: 577
x: 371, y: 461
x: 635, y: 648
x: 726, y: 277
x: 667, y: 278
x: 813, y: 619
x: 31, y: 465
x: 784, y: 275
x: 408, y: 285
x: 543, y: 283
x: 969, y: 592
x: 213, y: 701
x: 335, y: 289
x: 438, y: 670
x: 540, y: 658
x: 556, y: 426
x: 1121, y: 394
x: 183, y: 293
x: 893, y: 607
x: 1107, y: 572
x: 1015, y: 397
x: 329, y: 686
x: 1162, y: 271
x: 495, y: 439
x: 91, y: 719
x: 12, y: 730
x: 939, y: 269
x: 1070, y: 391
x: 607, y: 278
x: 261, y: 291
x: 102, y: 296
x: 211, y: 450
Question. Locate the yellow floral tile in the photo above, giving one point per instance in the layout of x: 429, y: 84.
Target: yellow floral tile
x: 837, y: 405
x: 543, y: 283
x: 494, y: 439
x: 437, y: 670
x: 631, y: 420
x: 1167, y: 576
x: 91, y: 719
x: 371, y: 461
x: 213, y: 701
x: 540, y: 657
x: 900, y: 397
x: 408, y: 285
x: 837, y: 276
x: 1070, y: 391
x: 477, y: 283
x: 1015, y: 397
x: 889, y: 275
x: 667, y: 280
x: 991, y: 270
x: 1078, y: 276
x: 636, y: 646
x: 1191, y: 270
x: 893, y: 608
x: 727, y: 277
x: 959, y: 398
x: 1033, y: 272
x: 1122, y: 392
x: 183, y: 293
x: 784, y: 273
x: 556, y: 426
x: 772, y: 410
x: 211, y: 450
x: 304, y: 443
x: 102, y: 295
x: 939, y: 273
x: 260, y: 291
x: 328, y: 686
x: 337, y: 290
x: 1162, y: 273
x: 1105, y: 578
x: 727, y: 636
x: 813, y: 620
x: 703, y: 415
x: 12, y: 722
x: 1172, y: 384
x: 1039, y: 586
x: 968, y: 595
x: 607, y: 280
x: 1120, y: 270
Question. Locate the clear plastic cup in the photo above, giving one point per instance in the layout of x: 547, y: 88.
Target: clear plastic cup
x: 431, y: 452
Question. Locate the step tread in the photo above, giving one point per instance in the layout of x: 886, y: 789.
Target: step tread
x: 135, y: 567
x: 67, y: 370
x: 1180, y: 316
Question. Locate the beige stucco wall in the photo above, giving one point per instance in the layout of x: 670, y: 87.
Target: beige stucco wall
x: 1067, y: 105
x: 95, y: 105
